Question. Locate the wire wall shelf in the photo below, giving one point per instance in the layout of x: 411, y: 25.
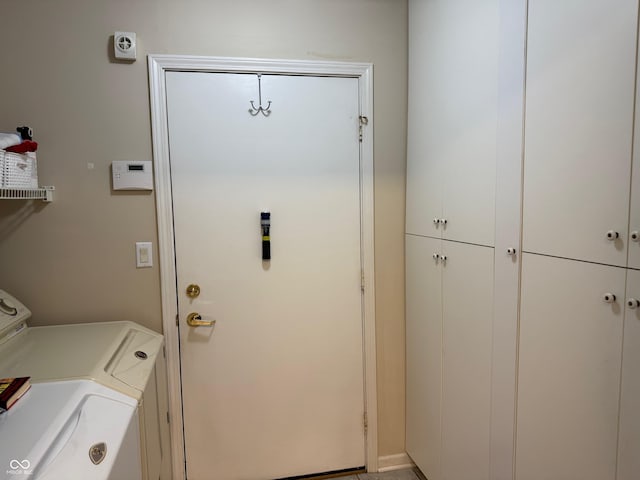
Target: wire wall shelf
x: 43, y: 193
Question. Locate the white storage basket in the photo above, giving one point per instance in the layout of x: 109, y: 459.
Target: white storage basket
x: 18, y: 171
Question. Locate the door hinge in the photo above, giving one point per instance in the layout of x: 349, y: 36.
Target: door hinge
x: 363, y: 121
x: 365, y: 422
x: 168, y: 421
x: 362, y: 280
x: 177, y: 321
x: 164, y: 351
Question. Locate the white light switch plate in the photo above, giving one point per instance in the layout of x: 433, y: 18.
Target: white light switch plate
x: 144, y: 255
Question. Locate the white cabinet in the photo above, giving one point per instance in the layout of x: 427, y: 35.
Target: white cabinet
x: 552, y: 361
x: 467, y: 319
x: 634, y: 215
x: 453, y: 74
x: 578, y: 390
x: 451, y: 178
x: 629, y: 435
x: 629, y: 440
x: 569, y: 369
x: 449, y: 330
x: 579, y: 128
x: 578, y: 386
x: 424, y: 353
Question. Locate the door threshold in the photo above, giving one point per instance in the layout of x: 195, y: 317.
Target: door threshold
x: 325, y: 475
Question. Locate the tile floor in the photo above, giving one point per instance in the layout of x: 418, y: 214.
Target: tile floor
x: 406, y: 474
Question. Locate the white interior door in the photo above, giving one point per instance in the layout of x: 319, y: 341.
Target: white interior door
x: 569, y: 370
x: 275, y: 388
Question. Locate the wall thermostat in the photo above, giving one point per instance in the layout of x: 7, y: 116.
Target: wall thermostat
x: 128, y: 175
x: 124, y: 45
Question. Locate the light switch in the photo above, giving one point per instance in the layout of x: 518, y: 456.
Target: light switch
x: 144, y: 255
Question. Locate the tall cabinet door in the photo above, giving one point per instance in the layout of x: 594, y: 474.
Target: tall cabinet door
x: 426, y: 134
x: 467, y: 279
x: 423, y: 350
x: 471, y: 118
x: 634, y: 216
x: 578, y: 127
x: 452, y: 120
x: 629, y: 443
x: 569, y: 369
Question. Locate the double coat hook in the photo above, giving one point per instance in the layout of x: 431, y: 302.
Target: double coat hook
x: 264, y: 110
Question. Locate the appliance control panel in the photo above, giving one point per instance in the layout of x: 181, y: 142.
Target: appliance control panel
x: 13, y: 316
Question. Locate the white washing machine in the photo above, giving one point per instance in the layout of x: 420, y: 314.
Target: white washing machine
x: 75, y: 429
x: 114, y: 368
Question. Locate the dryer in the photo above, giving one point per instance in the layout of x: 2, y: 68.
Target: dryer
x: 122, y: 357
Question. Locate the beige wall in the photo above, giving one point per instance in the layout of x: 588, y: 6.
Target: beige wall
x: 73, y: 260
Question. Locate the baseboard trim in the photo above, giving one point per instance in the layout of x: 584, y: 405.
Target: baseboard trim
x: 399, y: 461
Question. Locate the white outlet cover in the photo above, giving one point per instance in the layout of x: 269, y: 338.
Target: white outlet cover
x: 124, y: 45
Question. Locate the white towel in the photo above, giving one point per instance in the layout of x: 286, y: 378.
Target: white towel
x: 9, y: 140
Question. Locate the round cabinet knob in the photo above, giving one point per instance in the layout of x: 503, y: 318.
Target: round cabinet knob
x: 511, y: 251
x: 612, y: 235
x: 608, y: 298
x: 436, y: 221
x: 436, y: 257
x: 635, y: 236
x: 632, y: 303
x: 443, y: 221
x: 443, y: 258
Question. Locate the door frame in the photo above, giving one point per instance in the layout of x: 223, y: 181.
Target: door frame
x: 160, y: 64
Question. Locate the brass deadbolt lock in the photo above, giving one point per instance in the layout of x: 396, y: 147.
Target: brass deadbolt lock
x: 193, y: 290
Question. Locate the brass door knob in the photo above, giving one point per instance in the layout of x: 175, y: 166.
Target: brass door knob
x: 193, y: 290
x: 195, y: 320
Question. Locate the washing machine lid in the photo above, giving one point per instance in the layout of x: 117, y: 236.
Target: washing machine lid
x: 120, y: 355
x: 134, y: 358
x: 50, y: 432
